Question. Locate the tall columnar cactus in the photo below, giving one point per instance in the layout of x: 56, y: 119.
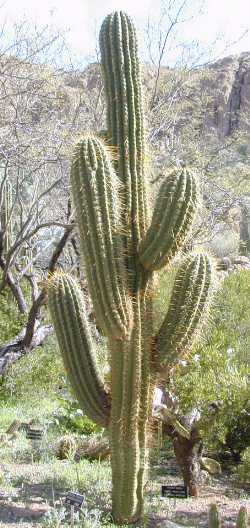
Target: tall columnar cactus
x: 121, y: 251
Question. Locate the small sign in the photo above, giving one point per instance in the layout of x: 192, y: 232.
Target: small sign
x: 34, y: 434
x: 174, y: 492
x: 74, y: 499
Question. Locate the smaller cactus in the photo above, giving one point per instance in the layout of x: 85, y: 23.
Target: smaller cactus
x: 214, y: 520
x: 214, y: 517
x: 242, y: 520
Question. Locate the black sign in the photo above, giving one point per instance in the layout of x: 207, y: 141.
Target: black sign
x: 74, y: 499
x: 174, y: 492
x: 34, y: 434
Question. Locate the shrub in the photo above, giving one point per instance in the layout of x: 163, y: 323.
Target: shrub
x: 39, y: 372
x: 219, y: 369
x: 73, y: 419
x: 11, y: 321
x: 242, y: 472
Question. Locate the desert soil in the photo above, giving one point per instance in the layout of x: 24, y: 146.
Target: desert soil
x: 30, y: 497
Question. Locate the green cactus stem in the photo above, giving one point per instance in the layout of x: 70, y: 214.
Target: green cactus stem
x: 214, y: 517
x: 125, y: 117
x: 67, y: 310
x: 172, y: 220
x: 242, y: 519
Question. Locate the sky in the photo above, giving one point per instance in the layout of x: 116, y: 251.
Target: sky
x: 221, y: 22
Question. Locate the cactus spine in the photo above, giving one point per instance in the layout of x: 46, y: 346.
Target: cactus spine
x: 120, y: 251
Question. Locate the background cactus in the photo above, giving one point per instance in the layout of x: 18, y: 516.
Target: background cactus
x: 214, y: 520
x: 242, y: 519
x: 214, y: 517
x: 120, y: 251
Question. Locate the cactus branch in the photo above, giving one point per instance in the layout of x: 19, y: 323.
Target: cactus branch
x: 95, y: 197
x: 68, y: 315
x: 172, y: 220
x: 189, y: 306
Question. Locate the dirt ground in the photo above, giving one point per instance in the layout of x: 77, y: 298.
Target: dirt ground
x: 31, y: 497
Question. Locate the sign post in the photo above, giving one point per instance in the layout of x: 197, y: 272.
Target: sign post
x: 174, y: 492
x: 75, y: 501
x: 35, y: 436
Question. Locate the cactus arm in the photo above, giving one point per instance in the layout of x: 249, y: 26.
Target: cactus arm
x: 95, y: 198
x: 68, y: 315
x: 172, y: 220
x: 189, y: 307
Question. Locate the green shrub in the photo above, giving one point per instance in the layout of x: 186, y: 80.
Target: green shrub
x: 39, y: 372
x: 73, y: 419
x: 242, y: 472
x: 11, y: 321
x: 238, y: 434
x: 219, y: 369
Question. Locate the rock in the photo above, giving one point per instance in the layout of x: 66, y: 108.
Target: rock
x: 230, y: 85
x: 224, y: 264
x: 211, y: 465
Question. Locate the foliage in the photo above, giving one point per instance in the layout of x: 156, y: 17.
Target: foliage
x: 37, y: 373
x: 242, y: 472
x: 11, y: 321
x: 218, y: 370
x: 72, y: 418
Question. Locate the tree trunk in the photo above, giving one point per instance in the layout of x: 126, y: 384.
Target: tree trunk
x: 188, y: 454
x: 15, y: 289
